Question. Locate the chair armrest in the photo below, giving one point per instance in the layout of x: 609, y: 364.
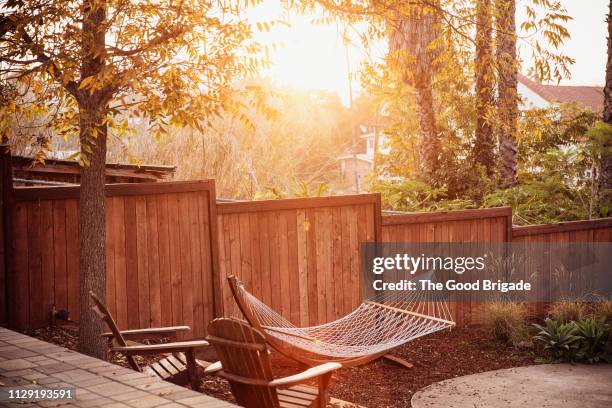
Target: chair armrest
x: 310, y: 373
x: 280, y: 382
x: 213, y: 368
x: 150, y: 333
x: 162, y: 348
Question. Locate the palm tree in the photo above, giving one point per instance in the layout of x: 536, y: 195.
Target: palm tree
x: 507, y: 96
x: 412, y: 35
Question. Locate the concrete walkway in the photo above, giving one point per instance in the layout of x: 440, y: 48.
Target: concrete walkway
x: 30, y: 363
x: 550, y: 385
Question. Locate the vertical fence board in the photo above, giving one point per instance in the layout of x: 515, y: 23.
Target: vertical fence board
x: 47, y: 281
x: 153, y: 255
x: 21, y: 314
x: 120, y: 265
x: 59, y: 254
x: 142, y: 262
x: 72, y: 258
x: 111, y: 242
x: 36, y: 310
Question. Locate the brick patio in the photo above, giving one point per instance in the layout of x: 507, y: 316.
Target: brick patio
x: 26, y: 361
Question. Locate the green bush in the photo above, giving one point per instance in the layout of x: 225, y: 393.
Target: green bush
x: 559, y: 338
x: 594, y: 340
x: 585, y: 340
x: 506, y: 321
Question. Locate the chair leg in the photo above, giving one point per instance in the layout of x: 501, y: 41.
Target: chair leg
x: 192, y: 370
x: 323, y: 394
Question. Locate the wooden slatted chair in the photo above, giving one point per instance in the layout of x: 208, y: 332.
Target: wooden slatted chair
x: 178, y: 365
x: 245, y: 363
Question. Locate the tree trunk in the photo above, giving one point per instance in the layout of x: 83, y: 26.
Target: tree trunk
x: 507, y: 101
x: 484, y: 149
x: 430, y: 143
x: 605, y: 173
x: 413, y: 35
x: 92, y: 225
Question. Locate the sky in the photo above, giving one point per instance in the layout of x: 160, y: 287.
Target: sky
x: 308, y: 55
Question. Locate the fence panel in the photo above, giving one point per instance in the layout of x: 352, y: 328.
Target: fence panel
x: 571, y: 231
x: 300, y: 256
x: 159, y: 254
x: 469, y: 226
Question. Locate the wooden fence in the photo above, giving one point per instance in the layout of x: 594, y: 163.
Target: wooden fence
x: 485, y: 225
x: 160, y: 241
x: 170, y: 247
x: 573, y: 231
x: 300, y: 256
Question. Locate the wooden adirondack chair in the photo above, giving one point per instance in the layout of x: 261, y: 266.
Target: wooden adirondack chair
x: 179, y: 364
x: 245, y: 363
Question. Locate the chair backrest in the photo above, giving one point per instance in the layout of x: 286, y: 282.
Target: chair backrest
x: 243, y: 353
x: 100, y: 309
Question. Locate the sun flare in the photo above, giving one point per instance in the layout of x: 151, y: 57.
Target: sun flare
x: 304, y: 54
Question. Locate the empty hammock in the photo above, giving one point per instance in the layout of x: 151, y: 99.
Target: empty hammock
x: 378, y: 325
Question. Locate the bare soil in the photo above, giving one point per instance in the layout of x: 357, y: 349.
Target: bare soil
x: 380, y: 384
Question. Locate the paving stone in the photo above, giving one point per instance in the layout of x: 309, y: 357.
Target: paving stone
x: 110, y: 388
x: 141, y: 381
x: 178, y: 395
x: 18, y: 373
x: 16, y: 353
x: 106, y: 369
x: 146, y: 402
x: 47, y: 380
x: 74, y: 374
x: 98, y: 402
x: 16, y: 364
x: 195, y: 400
x: 89, y: 381
x: 153, y: 387
x: 115, y: 405
x: 36, y: 358
x: 35, y: 376
x: 84, y: 395
x: 128, y: 376
x: 130, y: 395
x: 54, y: 368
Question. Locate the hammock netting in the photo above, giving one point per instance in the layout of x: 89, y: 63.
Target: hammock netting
x: 379, y: 324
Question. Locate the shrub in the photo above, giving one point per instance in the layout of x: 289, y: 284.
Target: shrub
x: 506, y: 321
x: 567, y: 311
x: 594, y: 337
x: 602, y: 310
x: 559, y: 337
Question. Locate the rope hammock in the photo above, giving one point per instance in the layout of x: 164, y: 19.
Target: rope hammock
x: 378, y: 325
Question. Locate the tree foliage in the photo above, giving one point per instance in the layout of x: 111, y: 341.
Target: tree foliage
x: 82, y: 68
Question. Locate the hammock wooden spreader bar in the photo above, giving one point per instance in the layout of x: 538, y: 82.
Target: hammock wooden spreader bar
x: 371, y: 330
x: 397, y: 309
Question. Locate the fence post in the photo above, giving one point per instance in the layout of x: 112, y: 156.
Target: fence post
x: 6, y: 229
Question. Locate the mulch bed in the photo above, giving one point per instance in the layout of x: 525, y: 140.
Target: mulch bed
x: 439, y: 356
x: 380, y: 384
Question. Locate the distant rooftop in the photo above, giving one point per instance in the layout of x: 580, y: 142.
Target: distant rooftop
x: 590, y: 97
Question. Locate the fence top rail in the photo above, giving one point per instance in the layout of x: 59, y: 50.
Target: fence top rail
x: 296, y: 203
x: 442, y: 216
x: 119, y: 189
x: 561, y: 227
